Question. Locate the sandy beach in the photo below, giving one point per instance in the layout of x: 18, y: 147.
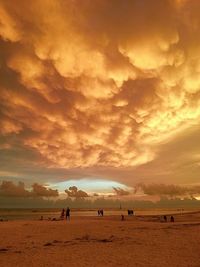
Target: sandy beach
x: 102, y: 241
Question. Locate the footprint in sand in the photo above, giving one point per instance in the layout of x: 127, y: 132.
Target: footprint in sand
x: 4, y: 249
x: 105, y: 240
x: 48, y: 244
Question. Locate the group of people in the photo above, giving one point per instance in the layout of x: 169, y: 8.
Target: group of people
x: 130, y: 212
x: 65, y: 214
x: 171, y: 218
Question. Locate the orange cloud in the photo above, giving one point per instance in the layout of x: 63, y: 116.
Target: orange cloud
x: 74, y: 192
x: 91, y: 84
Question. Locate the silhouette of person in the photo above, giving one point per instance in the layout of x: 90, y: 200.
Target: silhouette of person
x: 62, y: 215
x: 172, y: 219
x: 165, y: 218
x: 130, y: 212
x: 68, y: 213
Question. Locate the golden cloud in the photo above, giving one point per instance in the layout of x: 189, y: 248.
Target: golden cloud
x: 99, y: 83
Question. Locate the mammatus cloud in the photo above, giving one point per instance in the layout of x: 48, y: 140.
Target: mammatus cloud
x: 169, y: 190
x: 100, y: 88
x: 9, y: 189
x: 73, y: 191
x: 120, y: 191
x: 98, y: 83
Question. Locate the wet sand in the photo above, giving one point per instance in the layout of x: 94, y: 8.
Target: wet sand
x: 104, y: 241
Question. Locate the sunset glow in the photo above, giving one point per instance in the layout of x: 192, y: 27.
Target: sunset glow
x: 108, y: 90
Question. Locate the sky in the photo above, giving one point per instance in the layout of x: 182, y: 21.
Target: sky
x: 99, y: 94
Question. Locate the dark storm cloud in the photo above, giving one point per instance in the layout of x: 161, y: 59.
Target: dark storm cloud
x: 10, y: 189
x: 169, y: 190
x: 120, y: 191
x: 88, y: 87
x: 73, y: 191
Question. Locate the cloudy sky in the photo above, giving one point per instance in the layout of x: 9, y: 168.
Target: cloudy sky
x: 99, y: 90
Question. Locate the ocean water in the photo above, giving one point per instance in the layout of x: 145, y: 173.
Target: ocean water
x: 35, y: 214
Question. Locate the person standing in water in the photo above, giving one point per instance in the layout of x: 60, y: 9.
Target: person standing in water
x: 68, y: 213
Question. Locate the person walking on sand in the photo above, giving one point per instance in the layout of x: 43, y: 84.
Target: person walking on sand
x: 68, y: 213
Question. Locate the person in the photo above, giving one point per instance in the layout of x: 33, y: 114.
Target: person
x: 100, y: 212
x: 122, y: 217
x: 165, y: 218
x: 130, y: 212
x: 62, y: 215
x: 68, y: 213
x: 172, y: 219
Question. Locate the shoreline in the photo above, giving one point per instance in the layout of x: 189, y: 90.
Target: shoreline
x: 15, y: 215
x: 113, y: 217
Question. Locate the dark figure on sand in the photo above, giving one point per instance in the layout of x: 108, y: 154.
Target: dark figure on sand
x: 62, y: 215
x: 130, y: 212
x: 122, y: 217
x: 165, y: 218
x: 172, y: 219
x: 68, y: 213
x: 100, y: 212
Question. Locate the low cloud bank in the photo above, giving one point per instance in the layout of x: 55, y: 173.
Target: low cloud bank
x: 73, y: 191
x: 120, y: 192
x: 144, y: 195
x: 9, y: 189
x: 167, y: 190
x: 42, y: 191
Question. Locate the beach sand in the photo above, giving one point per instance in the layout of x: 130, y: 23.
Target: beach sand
x: 105, y: 241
